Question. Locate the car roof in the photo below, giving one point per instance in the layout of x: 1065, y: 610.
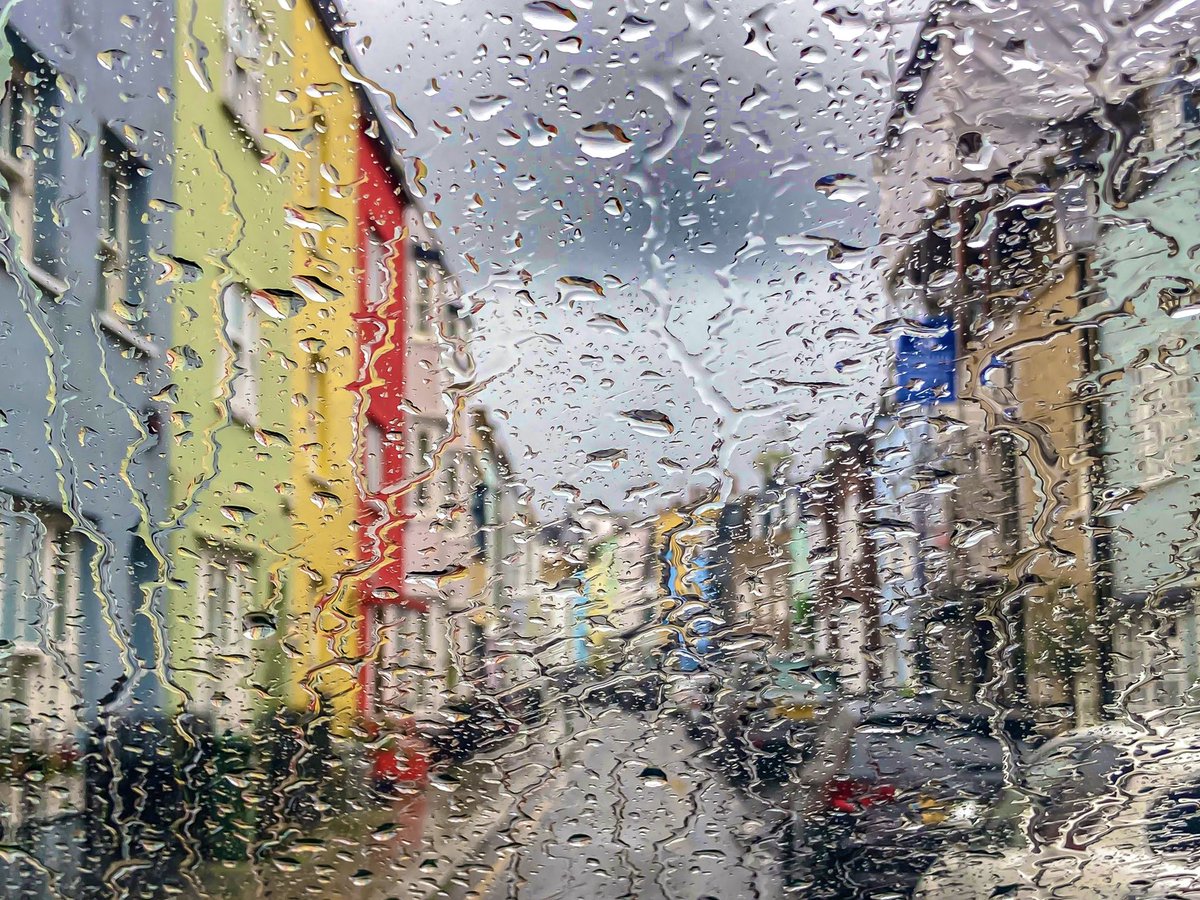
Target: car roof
x: 1171, y: 754
x: 1110, y: 732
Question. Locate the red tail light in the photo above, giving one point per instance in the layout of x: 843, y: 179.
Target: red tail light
x: 850, y: 795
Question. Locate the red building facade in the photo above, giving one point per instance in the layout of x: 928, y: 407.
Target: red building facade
x: 382, y: 322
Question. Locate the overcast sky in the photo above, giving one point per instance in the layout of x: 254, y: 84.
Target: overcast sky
x: 640, y: 187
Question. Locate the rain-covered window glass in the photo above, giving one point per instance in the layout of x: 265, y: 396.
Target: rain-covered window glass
x: 244, y: 51
x: 593, y: 449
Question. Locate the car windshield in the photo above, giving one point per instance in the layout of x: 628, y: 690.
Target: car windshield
x: 594, y: 449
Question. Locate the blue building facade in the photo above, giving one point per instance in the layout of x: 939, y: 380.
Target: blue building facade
x: 1148, y: 336
x: 85, y: 349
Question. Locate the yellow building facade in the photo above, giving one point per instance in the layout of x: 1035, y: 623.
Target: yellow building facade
x: 325, y: 271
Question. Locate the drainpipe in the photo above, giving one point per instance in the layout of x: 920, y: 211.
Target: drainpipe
x: 1100, y: 541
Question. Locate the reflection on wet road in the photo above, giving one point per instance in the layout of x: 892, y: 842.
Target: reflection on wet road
x: 634, y: 815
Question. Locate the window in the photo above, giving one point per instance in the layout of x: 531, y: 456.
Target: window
x: 241, y: 332
x: 850, y: 541
x: 1167, y: 112
x: 450, y: 477
x: 41, y: 566
x: 121, y: 200
x: 244, y: 77
x: 400, y: 683
x: 1191, y: 107
x: 1173, y: 825
x: 481, y: 515
x: 378, y: 277
x: 226, y: 592
x: 454, y: 325
x: 226, y: 580
x: 1161, y: 411
x: 931, y: 257
x: 26, y: 160
x: 1024, y: 246
x: 423, y: 296
x: 373, y: 450
x: 317, y: 397
x: 41, y: 569
x: 422, y: 465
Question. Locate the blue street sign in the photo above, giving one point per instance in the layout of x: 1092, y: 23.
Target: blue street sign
x: 925, y: 364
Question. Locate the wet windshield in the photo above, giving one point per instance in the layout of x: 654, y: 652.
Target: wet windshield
x: 599, y: 449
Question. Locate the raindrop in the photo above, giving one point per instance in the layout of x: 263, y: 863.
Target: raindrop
x: 258, y: 626
x: 651, y: 422
x: 549, y: 16
x: 111, y: 59
x: 603, y: 141
x: 653, y: 776
x: 635, y: 28
x: 481, y: 109
x: 609, y: 458
x: 842, y: 188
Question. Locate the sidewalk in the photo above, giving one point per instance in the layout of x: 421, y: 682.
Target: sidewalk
x: 408, y: 849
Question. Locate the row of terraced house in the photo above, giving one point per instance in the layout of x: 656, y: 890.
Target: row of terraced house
x: 242, y: 476
x: 1014, y: 521
x: 1017, y: 523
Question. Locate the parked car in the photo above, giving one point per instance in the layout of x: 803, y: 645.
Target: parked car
x: 470, y: 723
x: 788, y: 714
x: 886, y: 786
x: 1104, y: 812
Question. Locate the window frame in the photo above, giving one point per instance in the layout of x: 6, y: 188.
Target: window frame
x: 317, y: 395
x: 238, y: 580
x: 243, y: 90
x: 374, y: 463
x: 450, y: 475
x: 400, y: 658
x: 423, y: 465
x: 42, y: 614
x: 378, y: 263
x: 26, y: 166
x: 1160, y: 403
x: 241, y: 336
x: 424, y: 298
x: 122, y: 274
x: 219, y: 626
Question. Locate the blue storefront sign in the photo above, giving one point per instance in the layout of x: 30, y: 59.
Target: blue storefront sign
x: 925, y: 363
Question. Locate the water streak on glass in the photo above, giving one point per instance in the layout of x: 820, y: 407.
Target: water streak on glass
x: 596, y: 449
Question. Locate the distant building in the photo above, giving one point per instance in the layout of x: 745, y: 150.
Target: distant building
x: 846, y: 626
x: 440, y: 536
x: 232, y: 426
x: 984, y: 207
x: 389, y: 622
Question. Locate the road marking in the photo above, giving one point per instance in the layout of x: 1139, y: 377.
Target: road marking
x: 508, y: 854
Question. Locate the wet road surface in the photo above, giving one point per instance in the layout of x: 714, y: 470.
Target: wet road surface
x: 632, y: 815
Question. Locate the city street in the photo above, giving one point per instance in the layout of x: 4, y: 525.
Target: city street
x: 618, y: 808
x: 634, y: 815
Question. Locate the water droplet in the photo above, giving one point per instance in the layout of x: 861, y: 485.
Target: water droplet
x: 481, y: 109
x: 258, y: 626
x: 549, y: 16
x: 603, y: 141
